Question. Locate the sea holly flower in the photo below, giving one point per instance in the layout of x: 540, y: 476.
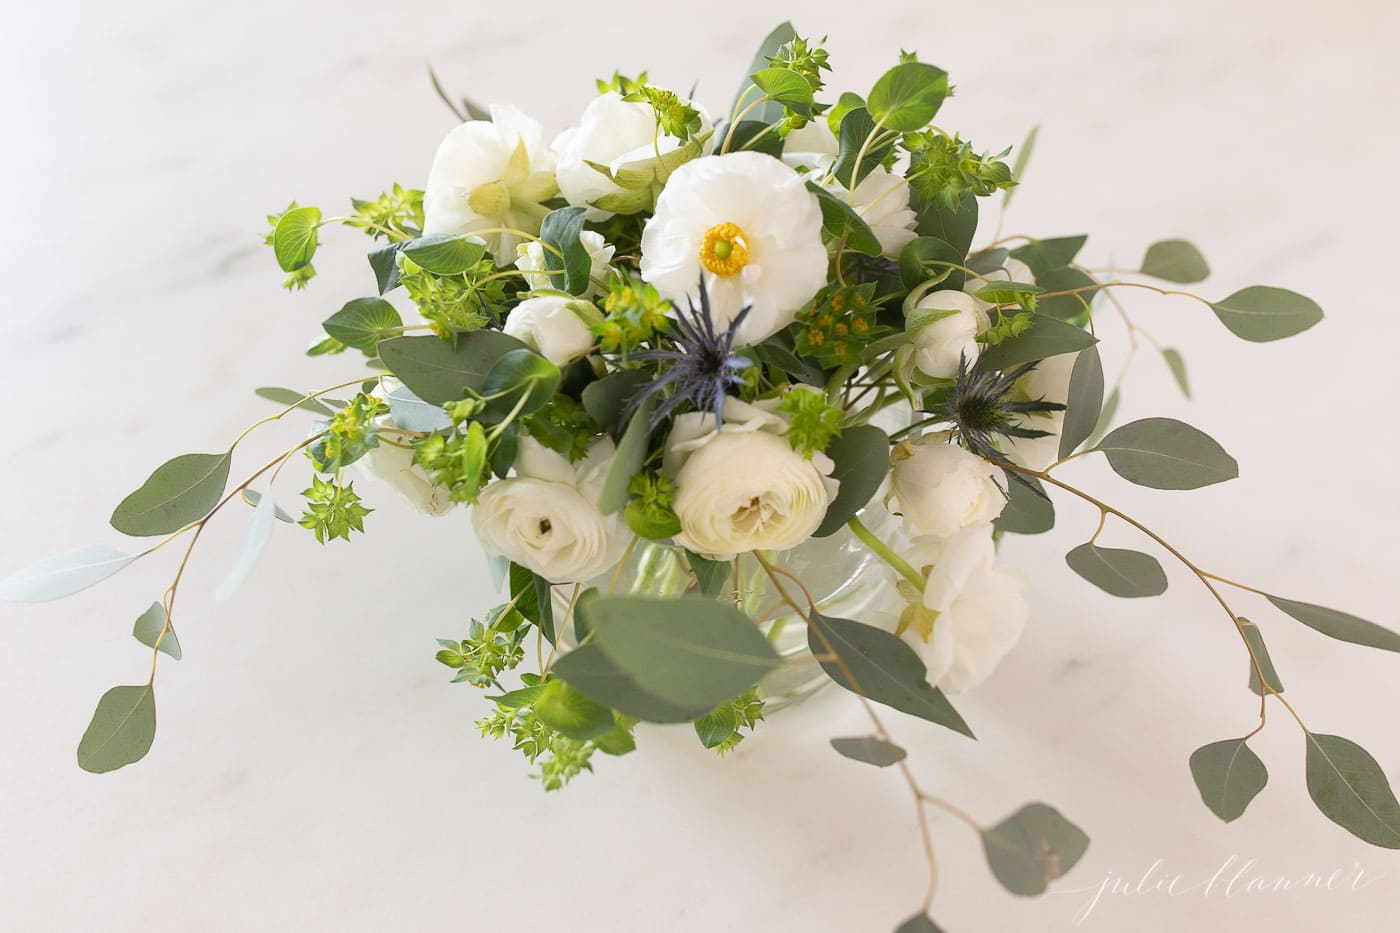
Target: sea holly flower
x: 746, y: 226
x: 491, y: 176
x: 1047, y: 382
x: 939, y: 488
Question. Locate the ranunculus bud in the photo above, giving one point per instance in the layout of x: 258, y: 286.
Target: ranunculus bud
x: 940, y: 488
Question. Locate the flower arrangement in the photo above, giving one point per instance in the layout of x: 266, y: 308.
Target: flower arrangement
x: 708, y: 386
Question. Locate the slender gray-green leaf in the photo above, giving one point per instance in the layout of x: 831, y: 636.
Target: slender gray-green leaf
x: 1117, y: 571
x: 870, y: 749
x: 148, y: 628
x: 1167, y: 454
x: 1110, y: 408
x: 180, y: 491
x: 362, y: 322
x: 294, y: 237
x: 1046, y: 337
x: 686, y: 651
x: 1018, y: 168
x: 919, y: 923
x: 1261, y: 313
x: 768, y: 111
x: 592, y: 672
x: 627, y: 462
x: 1342, y: 626
x: 1055, y: 253
x: 1260, y: 653
x: 862, y: 458
x: 63, y: 574
x: 1025, y: 512
x: 1177, y: 364
x: 1229, y: 776
x: 1351, y: 790
x: 411, y: 413
x: 1085, y: 401
x: 882, y: 667
x: 1032, y: 847
x: 438, y: 371
x: 289, y: 397
x: 255, y: 538
x: 122, y: 729
x: 253, y: 497
x: 1175, y: 261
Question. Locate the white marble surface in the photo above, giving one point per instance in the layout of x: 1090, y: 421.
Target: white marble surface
x: 314, y: 771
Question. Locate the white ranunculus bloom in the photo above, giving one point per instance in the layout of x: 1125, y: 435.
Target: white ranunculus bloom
x: 395, y: 466
x: 743, y: 488
x: 748, y: 224
x: 954, y: 321
x: 1048, y: 382
x: 972, y: 611
x: 810, y: 148
x: 1012, y: 270
x: 623, y: 136
x: 551, y: 325
x: 489, y: 175
x: 882, y: 201
x: 941, y: 488
x: 530, y: 259
x: 546, y: 517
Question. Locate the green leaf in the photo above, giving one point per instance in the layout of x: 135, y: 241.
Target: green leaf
x: 411, y: 413
x: 180, y: 491
x: 565, y: 256
x: 148, y: 627
x: 1351, y: 790
x: 521, y: 377
x: 1175, y: 261
x: 919, y: 923
x: 1229, y: 776
x: 1177, y: 365
x: 1261, y: 652
x: 786, y: 87
x: 606, y: 399
x: 1025, y: 512
x: 1339, y: 625
x: 122, y: 729
x: 862, y: 458
x: 716, y: 726
x: 384, y: 261
x: 1110, y: 408
x: 290, y: 397
x: 1032, y: 847
x: 955, y: 226
x: 927, y: 257
x: 755, y: 136
x: 1261, y: 313
x: 255, y: 538
x: 870, y: 749
x: 616, y: 741
x: 593, y: 673
x: 627, y: 462
x: 568, y: 711
x: 445, y: 254
x: 1084, y: 402
x: 438, y: 371
x: 1118, y: 572
x: 711, y: 576
x: 687, y: 651
x: 362, y: 323
x: 1167, y: 454
x: 1063, y: 279
x: 883, y: 668
x: 294, y: 237
x: 63, y: 574
x: 1007, y: 293
x: 1046, y: 337
x: 1045, y: 255
x: 908, y: 96
x: 523, y: 591
x: 840, y: 220
x: 856, y: 129
x: 769, y: 111
x: 1018, y: 168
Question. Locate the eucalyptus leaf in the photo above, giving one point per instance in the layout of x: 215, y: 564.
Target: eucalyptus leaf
x: 1042, y: 256
x: 148, y: 628
x: 290, y: 397
x: 919, y: 923
x: 606, y: 399
x: 1025, y: 512
x: 294, y: 237
x: 1260, y: 652
x: 711, y: 576
x: 767, y: 111
x: 854, y: 158
x: 1118, y: 572
x: 1177, y: 364
x: 255, y: 539
x: 1342, y: 626
x: 882, y: 667
x: 870, y: 749
x: 1018, y: 168
x: 363, y: 322
x: 63, y: 574
x: 1351, y: 790
x: 1084, y: 402
x: 253, y: 497
x: 927, y: 257
x: 411, y: 413
x: 1046, y: 337
x: 565, y: 256
x: 593, y: 673
x: 908, y: 96
x: 955, y: 225
x: 384, y: 262
x: 445, y: 254
x: 862, y: 457
x: 522, y: 381
x: 438, y: 371
x: 1229, y: 776
x: 1110, y: 408
x: 755, y: 136
x: 122, y: 729
x: 841, y: 222
x: 1063, y: 279
x: 1163, y: 453
x: 627, y: 462
x: 1175, y: 261
x: 180, y: 491
x: 1261, y: 313
x: 1033, y: 847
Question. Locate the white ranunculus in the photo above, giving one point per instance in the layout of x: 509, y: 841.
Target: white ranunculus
x: 530, y: 259
x: 546, y: 517
x: 395, y: 466
x: 810, y: 148
x: 551, y: 325
x: 743, y: 488
x: 972, y: 611
x: 1048, y: 382
x: 621, y: 135
x: 748, y: 224
x: 941, y: 488
x: 954, y: 321
x: 882, y: 201
x: 491, y: 174
x: 1012, y: 270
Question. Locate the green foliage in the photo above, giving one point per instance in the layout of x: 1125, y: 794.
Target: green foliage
x: 397, y: 212
x: 1007, y: 327
x: 721, y: 728
x: 1045, y: 337
x: 711, y: 576
x: 565, y: 256
x: 843, y: 224
x: 1072, y: 307
x: 627, y: 462
x: 919, y: 923
x: 1032, y: 847
x: 1175, y: 261
x: 333, y: 510
x: 363, y: 322
x: 293, y: 241
x: 593, y: 672
x: 149, y: 628
x: 803, y: 57
x: 839, y: 324
x: 871, y: 750
x: 928, y: 259
x: 250, y: 546
x: 1351, y: 790
x: 954, y: 225
x: 1018, y: 169
x: 122, y: 729
x: 1009, y: 293
x: 862, y: 458
x: 1342, y: 626
x: 63, y: 574
x: 181, y: 490
x: 1261, y: 313
x: 1026, y: 512
x: 674, y: 116
x: 1084, y: 402
x: 289, y: 397
x: 491, y: 647
x: 1229, y: 776
x: 1053, y: 253
x: 766, y: 111
x: 455, y: 304
x: 1117, y: 571
x: 564, y: 426
x: 1177, y: 365
x: 520, y: 382
x: 1260, y: 652
x: 908, y: 96
x: 634, y: 312
x: 1167, y: 454
x: 353, y: 432
x: 859, y: 150
x: 812, y: 420
x: 943, y: 170
x: 444, y: 253
x: 649, y: 513
x: 439, y: 371
x: 457, y: 461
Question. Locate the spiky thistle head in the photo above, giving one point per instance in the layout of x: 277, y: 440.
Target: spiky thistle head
x: 983, y: 409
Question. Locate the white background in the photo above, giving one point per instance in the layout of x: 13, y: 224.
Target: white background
x: 314, y: 770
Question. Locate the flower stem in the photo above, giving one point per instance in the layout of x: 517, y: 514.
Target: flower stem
x: 885, y: 553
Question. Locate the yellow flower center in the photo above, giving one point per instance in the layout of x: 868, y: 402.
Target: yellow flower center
x: 726, y: 249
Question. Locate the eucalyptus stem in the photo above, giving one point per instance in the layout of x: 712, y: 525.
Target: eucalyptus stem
x: 886, y: 553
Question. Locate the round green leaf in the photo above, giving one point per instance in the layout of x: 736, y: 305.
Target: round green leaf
x: 1175, y: 261
x: 520, y: 374
x: 1118, y: 572
x: 294, y: 237
x: 927, y: 257
x: 1229, y: 776
x: 1033, y: 847
x: 122, y: 729
x: 841, y: 222
x: 1025, y: 513
x: 785, y: 86
x: 627, y: 462
x: 1351, y: 790
x: 568, y: 711
x: 919, y: 923
x: 1167, y: 454
x: 439, y: 371
x: 1261, y: 313
x: 908, y: 96
x: 870, y: 749
x: 1043, y: 256
x: 442, y: 254
x: 565, y: 256
x: 857, y: 128
x: 148, y: 628
x: 362, y: 323
x: 180, y: 491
